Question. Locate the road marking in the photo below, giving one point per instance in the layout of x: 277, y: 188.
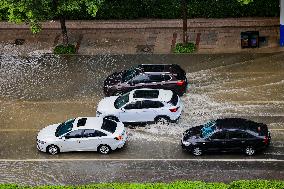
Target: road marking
x: 196, y: 160
x: 18, y: 130
x: 276, y: 129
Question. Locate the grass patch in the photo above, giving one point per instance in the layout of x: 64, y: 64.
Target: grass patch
x: 62, y: 49
x: 187, y: 48
x: 242, y: 184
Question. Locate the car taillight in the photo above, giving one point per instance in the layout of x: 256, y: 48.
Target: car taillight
x: 265, y: 141
x: 118, y: 138
x: 180, y: 82
x: 174, y: 109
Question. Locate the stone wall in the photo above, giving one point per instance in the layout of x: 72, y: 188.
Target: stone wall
x: 140, y: 36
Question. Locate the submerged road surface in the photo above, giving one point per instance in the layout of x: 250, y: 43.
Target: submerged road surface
x: 39, y: 90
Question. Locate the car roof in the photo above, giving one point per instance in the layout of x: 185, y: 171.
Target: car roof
x: 172, y: 68
x: 240, y: 123
x: 164, y: 95
x: 91, y: 123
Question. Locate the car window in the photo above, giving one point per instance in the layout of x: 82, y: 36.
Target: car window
x: 146, y: 94
x: 235, y: 135
x: 142, y: 78
x: 156, y: 78
x: 93, y: 133
x: 208, y: 129
x: 75, y: 134
x: 219, y: 135
x: 81, y: 122
x: 247, y: 135
x: 151, y: 104
x: 109, y: 125
x: 64, y: 127
x: 133, y: 105
x: 129, y: 74
x: 121, y: 101
x: 166, y: 77
x: 174, y: 99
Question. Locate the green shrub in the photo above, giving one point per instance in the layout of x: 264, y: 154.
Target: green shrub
x: 62, y: 49
x: 242, y: 184
x: 187, y: 48
x: 256, y: 184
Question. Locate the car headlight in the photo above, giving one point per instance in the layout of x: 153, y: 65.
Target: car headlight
x: 99, y: 113
x: 186, y: 143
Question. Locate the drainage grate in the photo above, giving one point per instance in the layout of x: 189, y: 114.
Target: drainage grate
x: 19, y: 41
x: 147, y: 49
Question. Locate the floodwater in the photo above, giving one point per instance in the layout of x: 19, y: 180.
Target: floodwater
x: 36, y: 91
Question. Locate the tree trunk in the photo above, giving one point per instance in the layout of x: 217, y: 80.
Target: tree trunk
x: 64, y: 31
x: 184, y: 17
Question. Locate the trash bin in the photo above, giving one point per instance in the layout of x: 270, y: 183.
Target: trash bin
x: 250, y: 39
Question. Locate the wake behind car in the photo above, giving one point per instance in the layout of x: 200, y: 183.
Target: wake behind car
x: 142, y: 106
x: 229, y: 134
x: 158, y: 76
x: 82, y: 134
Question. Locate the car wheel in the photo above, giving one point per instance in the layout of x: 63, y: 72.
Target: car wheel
x: 104, y: 149
x: 114, y: 118
x: 162, y: 120
x: 197, y: 151
x: 52, y: 149
x: 249, y: 151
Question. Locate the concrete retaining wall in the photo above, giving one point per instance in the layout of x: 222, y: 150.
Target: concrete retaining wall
x: 142, y: 36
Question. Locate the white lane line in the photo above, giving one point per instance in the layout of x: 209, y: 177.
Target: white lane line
x: 196, y: 160
x: 23, y: 130
x: 18, y: 130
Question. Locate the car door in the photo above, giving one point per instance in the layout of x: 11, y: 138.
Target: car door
x: 137, y: 82
x: 156, y: 81
x: 149, y: 110
x: 72, y: 141
x: 131, y: 112
x: 236, y: 140
x: 217, y: 142
x: 92, y: 139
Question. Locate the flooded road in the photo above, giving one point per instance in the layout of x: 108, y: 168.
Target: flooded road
x: 39, y: 90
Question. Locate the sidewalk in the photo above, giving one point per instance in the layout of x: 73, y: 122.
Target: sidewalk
x: 141, y: 36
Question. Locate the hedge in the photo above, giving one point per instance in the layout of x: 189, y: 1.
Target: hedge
x: 243, y: 184
x: 170, y: 9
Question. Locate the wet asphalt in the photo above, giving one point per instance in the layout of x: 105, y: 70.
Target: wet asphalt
x: 40, y: 90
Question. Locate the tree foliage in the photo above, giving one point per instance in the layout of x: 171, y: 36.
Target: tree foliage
x: 33, y: 12
x: 245, y: 2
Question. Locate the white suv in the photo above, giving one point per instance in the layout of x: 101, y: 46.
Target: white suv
x: 82, y: 134
x: 142, y: 105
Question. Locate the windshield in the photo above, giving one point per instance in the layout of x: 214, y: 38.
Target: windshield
x: 121, y: 101
x: 64, y: 127
x: 129, y: 74
x: 208, y: 129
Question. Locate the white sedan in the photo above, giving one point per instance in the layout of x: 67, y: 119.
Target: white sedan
x: 82, y: 134
x: 142, y: 106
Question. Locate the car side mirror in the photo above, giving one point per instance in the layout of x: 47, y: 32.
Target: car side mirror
x: 66, y: 137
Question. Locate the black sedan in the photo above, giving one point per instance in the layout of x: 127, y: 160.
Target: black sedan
x: 229, y: 134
